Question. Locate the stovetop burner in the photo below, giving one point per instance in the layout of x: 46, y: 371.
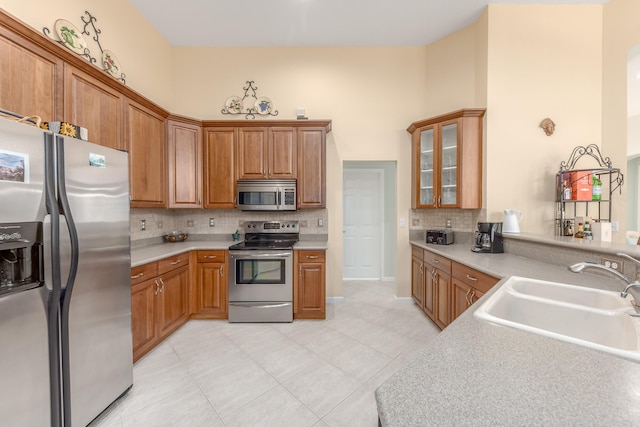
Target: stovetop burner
x: 269, y: 235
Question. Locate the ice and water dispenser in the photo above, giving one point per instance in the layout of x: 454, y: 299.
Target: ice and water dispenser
x: 21, y: 256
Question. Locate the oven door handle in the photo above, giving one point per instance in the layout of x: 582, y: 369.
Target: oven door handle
x: 263, y: 255
x: 284, y: 304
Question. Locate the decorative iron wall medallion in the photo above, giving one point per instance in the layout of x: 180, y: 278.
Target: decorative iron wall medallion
x: 262, y: 106
x: 70, y: 37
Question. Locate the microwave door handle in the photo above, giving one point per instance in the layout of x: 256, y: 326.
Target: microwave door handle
x: 279, y: 198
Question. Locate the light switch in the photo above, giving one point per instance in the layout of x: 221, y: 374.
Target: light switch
x: 403, y: 222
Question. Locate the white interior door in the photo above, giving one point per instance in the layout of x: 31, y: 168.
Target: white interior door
x: 363, y: 223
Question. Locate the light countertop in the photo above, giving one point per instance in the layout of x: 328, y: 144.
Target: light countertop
x: 479, y: 373
x: 146, y: 254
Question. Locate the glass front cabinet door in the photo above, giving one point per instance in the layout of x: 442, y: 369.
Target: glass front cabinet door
x: 447, y: 161
x: 427, y: 165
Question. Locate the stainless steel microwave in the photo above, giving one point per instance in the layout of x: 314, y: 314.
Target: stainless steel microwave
x: 266, y: 195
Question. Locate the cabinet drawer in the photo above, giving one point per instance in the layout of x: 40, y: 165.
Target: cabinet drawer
x: 481, y: 281
x: 440, y: 262
x: 311, y: 256
x: 211, y: 256
x: 144, y: 272
x: 416, y: 252
x: 171, y: 263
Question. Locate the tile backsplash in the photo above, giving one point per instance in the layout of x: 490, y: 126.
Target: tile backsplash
x: 461, y: 219
x: 227, y: 221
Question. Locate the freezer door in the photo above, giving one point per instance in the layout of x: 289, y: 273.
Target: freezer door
x: 21, y: 172
x: 24, y: 353
x: 100, y: 365
x: 24, y: 356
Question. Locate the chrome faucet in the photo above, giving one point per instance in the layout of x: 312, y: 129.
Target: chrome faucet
x: 581, y: 266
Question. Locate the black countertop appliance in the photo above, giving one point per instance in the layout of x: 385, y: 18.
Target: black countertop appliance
x: 489, y: 238
x: 440, y: 237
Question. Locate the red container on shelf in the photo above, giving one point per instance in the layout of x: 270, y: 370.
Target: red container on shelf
x: 581, y: 184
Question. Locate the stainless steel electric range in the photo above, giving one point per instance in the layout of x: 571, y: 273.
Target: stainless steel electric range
x: 261, y: 272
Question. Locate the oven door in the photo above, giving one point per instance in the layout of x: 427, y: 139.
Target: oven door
x: 261, y: 275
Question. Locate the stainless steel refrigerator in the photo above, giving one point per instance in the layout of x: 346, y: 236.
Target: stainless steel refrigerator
x: 65, y: 297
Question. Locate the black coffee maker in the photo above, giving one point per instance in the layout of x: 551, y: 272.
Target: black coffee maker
x: 489, y: 238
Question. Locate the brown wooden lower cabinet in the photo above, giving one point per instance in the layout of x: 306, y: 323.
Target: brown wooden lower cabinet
x: 159, y: 301
x: 211, y: 296
x: 417, y: 276
x: 437, y: 284
x: 309, y: 284
x: 443, y: 288
x: 468, y: 286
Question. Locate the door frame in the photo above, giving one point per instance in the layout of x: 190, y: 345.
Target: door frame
x: 381, y: 228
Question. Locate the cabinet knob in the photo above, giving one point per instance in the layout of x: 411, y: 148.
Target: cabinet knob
x: 176, y: 262
x: 312, y: 256
x: 137, y: 276
x: 210, y: 256
x: 157, y: 288
x: 162, y: 282
x: 474, y: 279
x: 221, y: 270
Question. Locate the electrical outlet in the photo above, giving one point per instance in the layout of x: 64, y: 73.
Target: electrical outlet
x: 616, y: 264
x: 448, y: 222
x: 189, y: 223
x: 212, y: 222
x: 143, y: 224
x: 320, y: 222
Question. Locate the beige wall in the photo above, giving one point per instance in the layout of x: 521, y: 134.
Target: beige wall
x: 370, y: 94
x: 143, y: 53
x: 620, y: 33
x: 543, y: 61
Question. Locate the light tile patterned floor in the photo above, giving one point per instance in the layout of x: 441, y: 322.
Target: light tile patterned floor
x: 305, y: 373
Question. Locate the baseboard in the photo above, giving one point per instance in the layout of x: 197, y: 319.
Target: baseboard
x: 404, y: 300
x: 335, y: 300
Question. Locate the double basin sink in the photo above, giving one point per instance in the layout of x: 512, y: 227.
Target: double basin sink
x: 592, y: 318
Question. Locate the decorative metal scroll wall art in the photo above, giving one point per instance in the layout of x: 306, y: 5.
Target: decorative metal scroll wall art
x: 71, y: 38
x: 262, y: 105
x: 594, y: 151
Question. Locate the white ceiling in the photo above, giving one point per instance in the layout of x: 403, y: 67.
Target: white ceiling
x: 315, y: 22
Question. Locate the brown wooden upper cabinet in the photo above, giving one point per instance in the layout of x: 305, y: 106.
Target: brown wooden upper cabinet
x: 446, y: 158
x: 265, y: 150
x: 312, y: 167
x: 266, y: 153
x: 146, y: 142
x: 31, y: 79
x: 184, y: 160
x: 219, y: 167
x: 99, y: 108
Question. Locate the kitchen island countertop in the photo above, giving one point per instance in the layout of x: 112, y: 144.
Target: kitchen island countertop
x: 479, y: 373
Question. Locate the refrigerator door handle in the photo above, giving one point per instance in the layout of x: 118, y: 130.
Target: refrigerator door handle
x: 54, y: 294
x: 73, y: 270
